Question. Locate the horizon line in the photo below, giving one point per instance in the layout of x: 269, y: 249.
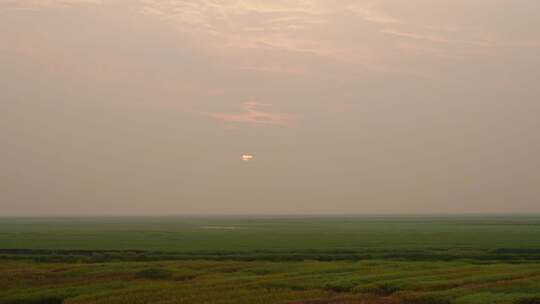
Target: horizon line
x: 276, y: 215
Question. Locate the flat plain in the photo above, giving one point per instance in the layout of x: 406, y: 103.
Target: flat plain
x: 341, y: 259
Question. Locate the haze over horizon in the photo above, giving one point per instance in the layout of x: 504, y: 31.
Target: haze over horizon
x: 147, y: 107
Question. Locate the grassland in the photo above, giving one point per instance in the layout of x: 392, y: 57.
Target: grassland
x: 410, y: 260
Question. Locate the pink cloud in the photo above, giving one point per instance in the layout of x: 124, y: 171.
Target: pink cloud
x: 275, y: 69
x: 252, y: 114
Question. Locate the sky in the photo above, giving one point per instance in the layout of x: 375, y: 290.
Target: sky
x: 147, y: 107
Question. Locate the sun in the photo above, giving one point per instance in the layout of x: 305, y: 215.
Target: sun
x: 247, y: 157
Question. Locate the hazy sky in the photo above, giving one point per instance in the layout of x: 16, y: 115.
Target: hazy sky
x: 367, y: 106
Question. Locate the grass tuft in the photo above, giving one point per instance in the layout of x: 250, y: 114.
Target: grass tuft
x: 154, y: 274
x: 534, y: 300
x: 34, y: 300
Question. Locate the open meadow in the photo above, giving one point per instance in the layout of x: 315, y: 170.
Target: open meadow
x: 370, y: 259
x: 269, y: 152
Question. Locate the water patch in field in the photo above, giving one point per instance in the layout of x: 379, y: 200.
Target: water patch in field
x: 221, y: 227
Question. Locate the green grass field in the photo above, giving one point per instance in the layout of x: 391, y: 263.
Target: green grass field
x: 370, y: 259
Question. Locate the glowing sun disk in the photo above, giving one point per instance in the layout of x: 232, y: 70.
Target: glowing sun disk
x: 247, y: 157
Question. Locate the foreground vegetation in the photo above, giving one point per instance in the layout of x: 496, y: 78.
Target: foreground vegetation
x: 408, y: 260
x: 371, y: 281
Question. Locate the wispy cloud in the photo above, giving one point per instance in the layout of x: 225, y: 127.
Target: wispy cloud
x: 253, y: 114
x: 433, y: 38
x: 245, y: 24
x: 243, y: 15
x: 280, y: 69
x: 371, y: 15
x: 32, y: 5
